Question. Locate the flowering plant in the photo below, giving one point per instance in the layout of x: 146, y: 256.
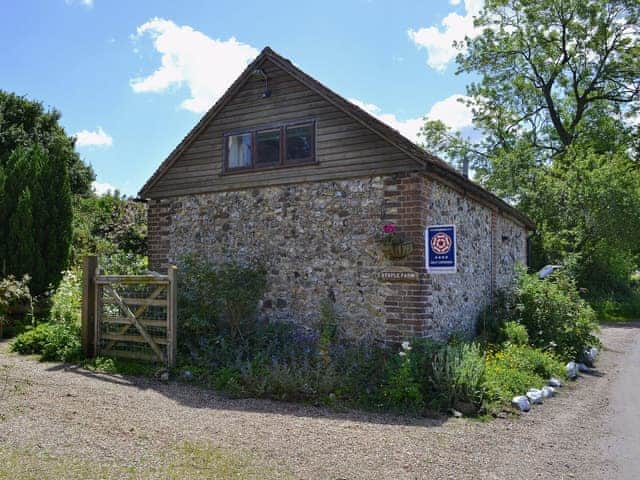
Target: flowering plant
x: 395, y: 244
x: 391, y: 236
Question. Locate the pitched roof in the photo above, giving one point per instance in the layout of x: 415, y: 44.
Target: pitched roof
x: 432, y: 164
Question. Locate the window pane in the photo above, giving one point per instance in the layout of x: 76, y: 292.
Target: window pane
x: 239, y: 150
x: 268, y: 145
x: 299, y: 142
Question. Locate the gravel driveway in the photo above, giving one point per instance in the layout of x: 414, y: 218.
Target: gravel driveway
x: 131, y: 422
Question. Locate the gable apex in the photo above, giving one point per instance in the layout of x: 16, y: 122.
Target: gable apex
x: 431, y: 164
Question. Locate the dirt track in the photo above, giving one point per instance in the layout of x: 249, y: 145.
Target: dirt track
x: 65, y: 411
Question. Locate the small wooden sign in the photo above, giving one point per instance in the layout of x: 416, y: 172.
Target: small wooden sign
x: 398, y: 274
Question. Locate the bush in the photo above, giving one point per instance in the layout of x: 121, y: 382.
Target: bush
x: 59, y: 338
x: 214, y: 301
x: 514, y: 334
x: 452, y: 374
x: 15, y: 300
x: 66, y: 302
x: 402, y: 391
x: 554, y: 315
x: 53, y: 341
x: 556, y: 318
x: 224, y: 346
x: 515, y: 369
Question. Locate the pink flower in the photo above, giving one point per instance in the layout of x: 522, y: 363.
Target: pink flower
x: 390, y: 228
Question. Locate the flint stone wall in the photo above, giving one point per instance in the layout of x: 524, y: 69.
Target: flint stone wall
x: 489, y: 247
x: 511, y: 249
x: 318, y: 241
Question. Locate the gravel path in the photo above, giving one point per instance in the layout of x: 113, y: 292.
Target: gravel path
x: 129, y: 421
x: 622, y: 443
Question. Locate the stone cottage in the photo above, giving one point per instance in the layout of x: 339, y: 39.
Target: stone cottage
x: 283, y: 170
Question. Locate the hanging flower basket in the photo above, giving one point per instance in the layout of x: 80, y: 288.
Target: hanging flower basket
x: 397, y: 251
x: 395, y: 244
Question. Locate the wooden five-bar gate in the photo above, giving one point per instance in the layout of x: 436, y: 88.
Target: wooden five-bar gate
x: 129, y: 316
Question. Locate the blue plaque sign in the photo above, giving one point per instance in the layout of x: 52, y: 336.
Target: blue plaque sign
x: 440, y: 245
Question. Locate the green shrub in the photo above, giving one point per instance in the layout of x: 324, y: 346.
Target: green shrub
x: 215, y: 300
x: 59, y: 338
x: 457, y: 375
x: 15, y: 301
x: 120, y: 366
x: 53, y: 341
x: 555, y: 316
x: 515, y: 334
x: 402, y: 391
x: 66, y: 302
x: 516, y: 368
x: 239, y: 290
x: 619, y: 307
x: 123, y: 263
x: 225, y: 347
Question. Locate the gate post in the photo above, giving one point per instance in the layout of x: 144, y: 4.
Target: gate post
x: 90, y: 266
x: 172, y: 316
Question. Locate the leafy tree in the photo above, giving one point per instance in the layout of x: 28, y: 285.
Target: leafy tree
x: 545, y: 64
x: 36, y: 217
x: 558, y: 81
x: 108, y: 224
x: 22, y: 259
x: 25, y: 122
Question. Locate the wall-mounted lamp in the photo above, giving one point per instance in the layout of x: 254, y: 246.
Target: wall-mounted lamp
x: 261, y: 73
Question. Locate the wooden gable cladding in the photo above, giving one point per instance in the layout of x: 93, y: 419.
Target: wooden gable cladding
x: 344, y: 147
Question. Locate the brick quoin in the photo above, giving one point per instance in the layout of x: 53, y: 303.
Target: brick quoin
x: 408, y: 309
x: 159, y: 221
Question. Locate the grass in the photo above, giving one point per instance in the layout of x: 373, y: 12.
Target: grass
x: 624, y: 310
x: 187, y: 460
x: 121, y: 366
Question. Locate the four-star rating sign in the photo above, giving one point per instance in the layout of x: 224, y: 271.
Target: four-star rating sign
x: 440, y: 245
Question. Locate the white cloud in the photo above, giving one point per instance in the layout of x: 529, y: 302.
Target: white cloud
x: 450, y: 111
x: 438, y: 39
x: 97, y: 138
x: 205, y: 65
x: 85, y: 3
x: 102, y: 188
x: 409, y: 128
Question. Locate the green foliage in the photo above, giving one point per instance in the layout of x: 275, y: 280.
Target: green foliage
x: 53, y: 341
x: 514, y: 334
x: 543, y: 69
x: 214, y: 300
x: 451, y: 374
x: 552, y: 108
x: 286, y: 361
x: 618, y: 309
x: 118, y: 366
x: 555, y: 316
x: 514, y: 369
x: 198, y: 307
x: 587, y: 209
x: 108, y: 225
x: 239, y: 289
x: 35, y: 218
x: 25, y: 123
x: 451, y: 145
x: 66, y: 302
x: 123, y: 263
x: 15, y: 301
x: 58, y: 338
x: 402, y: 391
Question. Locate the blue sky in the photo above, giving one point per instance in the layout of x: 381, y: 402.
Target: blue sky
x: 132, y: 77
